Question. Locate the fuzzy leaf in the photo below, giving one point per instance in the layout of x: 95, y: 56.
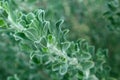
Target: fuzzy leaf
x: 63, y: 69
x: 87, y: 65
x: 30, y: 17
x: 41, y: 14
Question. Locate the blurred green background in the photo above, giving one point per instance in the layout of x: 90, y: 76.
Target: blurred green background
x: 84, y: 18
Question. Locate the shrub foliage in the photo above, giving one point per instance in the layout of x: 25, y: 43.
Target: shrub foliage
x: 39, y: 49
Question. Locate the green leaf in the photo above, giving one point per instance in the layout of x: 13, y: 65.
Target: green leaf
x: 56, y: 66
x: 107, y: 68
x: 46, y: 28
x: 91, y: 50
x: 74, y: 61
x: 15, y: 77
x: 65, y: 45
x: 58, y: 24
x: 23, y: 23
x: 63, y: 69
x: 25, y: 47
x: 83, y: 44
x: 19, y: 36
x: 3, y: 13
x: 107, y: 13
x: 113, y: 5
x: 100, y: 54
x: 80, y: 75
x: 36, y: 58
x: 45, y: 49
x: 5, y: 6
x: 2, y: 23
x: 30, y: 17
x: 85, y: 55
x: 36, y: 25
x: 41, y: 14
x: 43, y: 42
x: 31, y: 34
x: 42, y: 45
x: 87, y: 65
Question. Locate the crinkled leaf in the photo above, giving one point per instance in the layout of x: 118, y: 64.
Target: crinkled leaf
x: 65, y: 45
x: 46, y: 28
x: 87, y: 65
x: 36, y: 59
x: 56, y: 66
x: 63, y: 69
x: 83, y: 44
x: 30, y: 17
x: 36, y: 25
x: 3, y: 13
x: 23, y: 23
x: 31, y: 34
x: 58, y: 24
x: 91, y: 50
x: 65, y: 32
x: 43, y: 42
x: 41, y: 14
x: 85, y: 56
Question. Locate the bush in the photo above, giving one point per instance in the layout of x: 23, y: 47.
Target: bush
x: 34, y: 48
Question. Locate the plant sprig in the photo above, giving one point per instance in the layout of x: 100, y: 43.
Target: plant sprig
x: 49, y: 48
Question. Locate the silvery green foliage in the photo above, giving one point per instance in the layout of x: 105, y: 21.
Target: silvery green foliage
x: 13, y: 77
x: 113, y: 14
x: 49, y: 48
